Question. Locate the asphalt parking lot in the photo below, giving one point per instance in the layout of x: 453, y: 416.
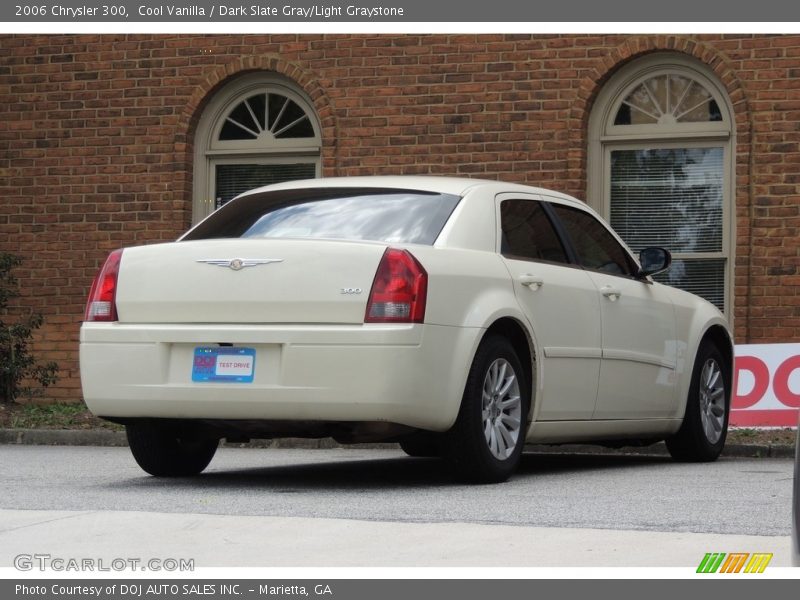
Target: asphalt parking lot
x: 380, y: 506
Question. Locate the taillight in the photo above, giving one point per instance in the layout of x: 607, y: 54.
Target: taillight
x: 101, y: 305
x: 399, y: 290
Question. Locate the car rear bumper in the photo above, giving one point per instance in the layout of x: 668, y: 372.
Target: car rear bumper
x: 407, y: 374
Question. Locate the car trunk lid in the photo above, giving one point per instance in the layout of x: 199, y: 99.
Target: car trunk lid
x: 247, y: 281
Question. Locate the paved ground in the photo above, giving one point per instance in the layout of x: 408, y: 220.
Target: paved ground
x: 362, y: 507
x: 736, y: 496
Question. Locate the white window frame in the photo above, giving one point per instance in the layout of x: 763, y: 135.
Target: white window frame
x: 210, y: 151
x: 605, y: 137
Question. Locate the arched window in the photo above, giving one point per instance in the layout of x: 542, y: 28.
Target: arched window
x: 257, y: 130
x: 660, y: 168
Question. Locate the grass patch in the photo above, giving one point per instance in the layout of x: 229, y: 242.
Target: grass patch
x: 749, y: 435
x: 744, y: 433
x: 51, y: 416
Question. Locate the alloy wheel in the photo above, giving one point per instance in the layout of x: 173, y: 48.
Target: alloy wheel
x: 502, y: 409
x: 712, y: 400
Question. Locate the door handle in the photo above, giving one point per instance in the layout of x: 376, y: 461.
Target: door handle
x: 611, y: 293
x: 531, y: 281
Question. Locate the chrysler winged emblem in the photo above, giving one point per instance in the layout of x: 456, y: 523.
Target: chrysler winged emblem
x: 237, y: 264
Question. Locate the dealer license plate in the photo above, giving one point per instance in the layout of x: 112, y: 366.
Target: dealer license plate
x: 224, y: 364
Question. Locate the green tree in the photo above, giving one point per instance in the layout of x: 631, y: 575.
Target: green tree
x: 17, y: 365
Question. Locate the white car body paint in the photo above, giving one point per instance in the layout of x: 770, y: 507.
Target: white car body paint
x: 604, y: 366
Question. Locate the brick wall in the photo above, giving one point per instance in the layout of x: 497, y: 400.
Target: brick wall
x: 96, y: 140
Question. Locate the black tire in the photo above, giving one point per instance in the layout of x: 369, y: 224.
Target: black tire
x: 465, y: 445
x: 422, y: 445
x: 164, y: 452
x: 692, y: 443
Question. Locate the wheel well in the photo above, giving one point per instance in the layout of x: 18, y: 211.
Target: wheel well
x: 717, y: 335
x: 514, y: 332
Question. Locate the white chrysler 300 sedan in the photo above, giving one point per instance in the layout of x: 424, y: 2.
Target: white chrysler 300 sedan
x: 458, y: 317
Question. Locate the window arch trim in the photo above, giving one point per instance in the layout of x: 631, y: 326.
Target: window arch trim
x: 210, y: 151
x: 621, y: 84
x: 258, y: 86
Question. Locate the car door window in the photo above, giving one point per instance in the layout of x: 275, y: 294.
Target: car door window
x: 594, y: 245
x: 527, y: 232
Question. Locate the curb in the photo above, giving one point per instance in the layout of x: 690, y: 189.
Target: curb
x: 107, y: 437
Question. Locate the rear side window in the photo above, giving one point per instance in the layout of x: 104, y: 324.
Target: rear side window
x: 595, y: 246
x: 392, y: 216
x: 528, y: 233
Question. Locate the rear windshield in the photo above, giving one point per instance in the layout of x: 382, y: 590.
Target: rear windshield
x: 392, y: 216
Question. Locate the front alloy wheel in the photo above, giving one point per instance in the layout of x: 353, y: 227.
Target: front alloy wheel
x: 705, y: 422
x: 712, y: 400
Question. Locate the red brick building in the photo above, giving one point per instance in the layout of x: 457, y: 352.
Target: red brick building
x: 689, y: 142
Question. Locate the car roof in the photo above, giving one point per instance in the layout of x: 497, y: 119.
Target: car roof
x: 459, y: 186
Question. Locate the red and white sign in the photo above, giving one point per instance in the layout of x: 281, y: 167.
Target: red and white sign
x: 766, y: 384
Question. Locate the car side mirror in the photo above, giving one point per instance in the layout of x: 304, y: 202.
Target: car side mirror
x: 654, y: 260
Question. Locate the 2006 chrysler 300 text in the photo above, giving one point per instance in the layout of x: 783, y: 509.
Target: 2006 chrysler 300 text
x: 459, y: 317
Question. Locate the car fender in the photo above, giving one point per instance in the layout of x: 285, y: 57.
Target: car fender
x: 537, y: 361
x: 695, y: 318
x: 471, y: 290
x: 490, y: 318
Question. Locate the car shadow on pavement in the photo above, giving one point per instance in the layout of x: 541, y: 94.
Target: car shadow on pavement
x: 386, y: 473
x: 535, y: 463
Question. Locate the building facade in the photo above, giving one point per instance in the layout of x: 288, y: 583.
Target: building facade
x: 689, y: 142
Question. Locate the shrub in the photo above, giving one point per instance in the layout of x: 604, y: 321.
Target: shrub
x: 18, y: 367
